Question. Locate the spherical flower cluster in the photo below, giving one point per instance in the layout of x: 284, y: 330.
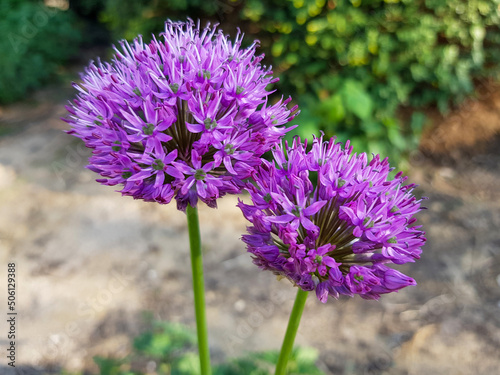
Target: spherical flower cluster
x: 186, y: 117
x: 331, y: 221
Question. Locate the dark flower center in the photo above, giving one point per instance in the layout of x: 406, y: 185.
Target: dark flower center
x: 334, y: 231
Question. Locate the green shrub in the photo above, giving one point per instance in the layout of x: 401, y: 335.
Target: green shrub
x: 36, y: 40
x: 351, y: 65
x: 127, y: 19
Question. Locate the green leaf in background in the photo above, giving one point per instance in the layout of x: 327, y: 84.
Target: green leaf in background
x: 417, y: 122
x: 373, y: 129
x: 243, y: 366
x: 109, y: 366
x: 164, y: 340
x: 396, y: 138
x: 307, y: 126
x: 332, y: 108
x: 188, y: 364
x: 302, y: 361
x: 356, y: 99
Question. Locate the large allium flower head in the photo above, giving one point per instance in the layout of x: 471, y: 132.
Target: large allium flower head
x: 331, y: 221
x: 185, y: 116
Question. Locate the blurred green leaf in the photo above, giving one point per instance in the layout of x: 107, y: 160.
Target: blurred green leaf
x: 109, y: 366
x: 477, y: 32
x: 164, y: 340
x: 333, y: 108
x: 356, y: 99
x: 417, y: 122
x: 188, y: 364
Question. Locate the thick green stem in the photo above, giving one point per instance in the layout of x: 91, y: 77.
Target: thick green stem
x: 198, y: 288
x: 291, y: 331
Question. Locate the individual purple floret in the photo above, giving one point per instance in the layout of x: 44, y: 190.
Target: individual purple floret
x: 330, y: 220
x: 184, y: 117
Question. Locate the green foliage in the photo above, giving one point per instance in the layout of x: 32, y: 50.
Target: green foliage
x: 172, y: 348
x: 353, y: 64
x: 110, y: 366
x: 302, y: 361
x: 36, y: 40
x: 127, y: 19
x: 164, y: 341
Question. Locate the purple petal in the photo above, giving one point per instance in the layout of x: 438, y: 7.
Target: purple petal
x: 313, y: 208
x: 282, y: 219
x: 174, y: 172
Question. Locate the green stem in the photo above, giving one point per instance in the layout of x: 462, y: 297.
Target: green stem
x: 198, y: 288
x: 291, y: 331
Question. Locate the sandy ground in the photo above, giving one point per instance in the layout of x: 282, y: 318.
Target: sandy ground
x: 90, y: 262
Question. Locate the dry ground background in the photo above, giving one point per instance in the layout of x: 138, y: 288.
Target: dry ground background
x: 90, y: 262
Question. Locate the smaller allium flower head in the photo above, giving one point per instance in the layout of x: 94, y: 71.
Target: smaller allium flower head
x: 186, y: 117
x: 331, y: 221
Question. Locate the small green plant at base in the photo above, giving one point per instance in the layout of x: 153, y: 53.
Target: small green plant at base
x: 172, y: 349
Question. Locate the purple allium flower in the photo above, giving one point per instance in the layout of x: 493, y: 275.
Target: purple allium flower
x: 186, y: 117
x: 332, y: 221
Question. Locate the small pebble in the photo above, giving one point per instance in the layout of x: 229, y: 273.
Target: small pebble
x: 239, y: 305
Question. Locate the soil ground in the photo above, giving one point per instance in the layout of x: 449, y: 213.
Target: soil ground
x: 90, y: 262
